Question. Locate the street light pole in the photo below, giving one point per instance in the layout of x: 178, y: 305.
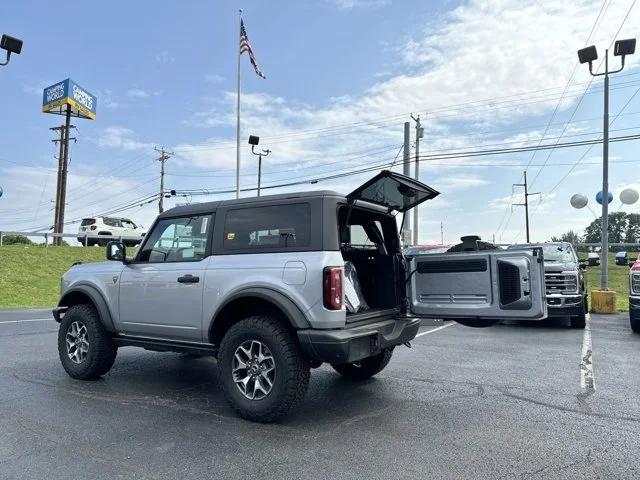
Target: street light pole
x: 588, y: 55
x: 604, y: 253
x: 253, y: 141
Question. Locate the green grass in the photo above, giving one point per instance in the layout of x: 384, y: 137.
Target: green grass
x: 618, y: 280
x: 30, y: 275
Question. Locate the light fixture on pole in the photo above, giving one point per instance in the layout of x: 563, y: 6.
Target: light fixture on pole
x: 254, y: 140
x: 11, y: 45
x: 588, y: 55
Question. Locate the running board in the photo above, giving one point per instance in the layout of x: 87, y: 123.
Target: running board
x: 158, y: 345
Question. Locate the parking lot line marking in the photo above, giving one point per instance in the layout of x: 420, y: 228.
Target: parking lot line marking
x: 435, y: 329
x: 27, y: 320
x: 587, y: 380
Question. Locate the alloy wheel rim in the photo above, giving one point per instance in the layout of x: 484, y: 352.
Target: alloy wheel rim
x: 77, y: 342
x: 253, y: 369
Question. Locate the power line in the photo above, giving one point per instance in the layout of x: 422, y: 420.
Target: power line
x: 591, y: 80
x: 433, y: 113
x: 422, y: 158
x: 573, y: 71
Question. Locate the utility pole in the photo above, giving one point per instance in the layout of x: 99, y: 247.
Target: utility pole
x: 419, y: 133
x: 164, y: 156
x: 441, y: 234
x: 61, y: 185
x: 526, y: 202
x: 406, y: 170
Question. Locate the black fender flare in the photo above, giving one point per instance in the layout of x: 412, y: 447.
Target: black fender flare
x: 98, y: 301
x: 292, y: 312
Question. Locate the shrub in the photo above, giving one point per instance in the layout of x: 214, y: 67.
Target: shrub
x: 16, y: 240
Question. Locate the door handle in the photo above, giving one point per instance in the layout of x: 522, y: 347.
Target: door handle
x: 188, y: 279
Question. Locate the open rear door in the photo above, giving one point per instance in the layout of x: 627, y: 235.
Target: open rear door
x: 393, y: 191
x: 479, y: 287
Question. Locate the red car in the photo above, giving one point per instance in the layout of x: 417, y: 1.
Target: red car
x: 634, y: 296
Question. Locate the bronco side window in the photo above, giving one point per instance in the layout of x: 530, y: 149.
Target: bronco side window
x: 182, y: 239
x: 271, y: 227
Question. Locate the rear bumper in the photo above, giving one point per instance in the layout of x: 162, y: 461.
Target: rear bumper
x: 565, y: 305
x: 357, y: 342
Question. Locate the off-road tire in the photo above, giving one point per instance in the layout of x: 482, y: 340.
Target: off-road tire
x: 634, y: 319
x: 291, y: 368
x: 578, y: 321
x: 365, y: 368
x: 101, y: 352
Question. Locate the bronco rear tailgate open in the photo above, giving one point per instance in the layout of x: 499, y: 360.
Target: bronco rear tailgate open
x: 393, y: 191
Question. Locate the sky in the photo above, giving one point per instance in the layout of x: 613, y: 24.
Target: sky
x: 342, y: 78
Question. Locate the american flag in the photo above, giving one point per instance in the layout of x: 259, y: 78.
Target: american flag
x: 245, y: 46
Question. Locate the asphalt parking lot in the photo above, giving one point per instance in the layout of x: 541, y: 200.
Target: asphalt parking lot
x: 510, y: 401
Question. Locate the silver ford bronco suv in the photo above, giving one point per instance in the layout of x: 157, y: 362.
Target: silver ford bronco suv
x: 276, y: 285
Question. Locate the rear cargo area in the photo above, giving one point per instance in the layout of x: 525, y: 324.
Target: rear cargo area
x: 368, y: 241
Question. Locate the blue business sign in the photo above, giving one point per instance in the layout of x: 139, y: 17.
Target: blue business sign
x: 67, y: 94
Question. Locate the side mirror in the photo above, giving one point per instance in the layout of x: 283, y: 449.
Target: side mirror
x: 116, y: 251
x: 582, y: 265
x: 631, y: 263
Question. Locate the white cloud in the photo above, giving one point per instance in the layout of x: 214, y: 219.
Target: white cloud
x: 481, y: 50
x: 36, y: 88
x: 33, y: 189
x: 463, y: 181
x: 352, y: 4
x: 121, y: 138
x: 214, y: 78
x: 137, y: 93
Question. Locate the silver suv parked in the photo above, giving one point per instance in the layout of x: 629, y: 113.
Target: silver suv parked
x: 276, y: 285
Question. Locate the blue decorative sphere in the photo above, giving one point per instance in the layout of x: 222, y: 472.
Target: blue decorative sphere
x: 599, y: 197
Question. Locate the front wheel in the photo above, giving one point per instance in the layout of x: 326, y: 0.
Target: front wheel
x: 85, y: 348
x: 365, y: 368
x: 579, y: 321
x: 634, y: 320
x: 263, y: 373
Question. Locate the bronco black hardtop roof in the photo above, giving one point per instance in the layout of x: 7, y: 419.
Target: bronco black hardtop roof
x: 206, y: 207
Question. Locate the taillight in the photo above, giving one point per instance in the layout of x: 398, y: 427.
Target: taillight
x: 332, y: 286
x: 93, y: 227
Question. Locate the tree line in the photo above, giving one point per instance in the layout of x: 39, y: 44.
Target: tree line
x: 623, y: 228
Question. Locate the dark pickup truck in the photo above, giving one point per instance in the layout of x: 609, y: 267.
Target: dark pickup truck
x: 565, y: 281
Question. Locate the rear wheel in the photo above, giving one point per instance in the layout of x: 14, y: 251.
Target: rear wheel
x: 634, y: 320
x: 365, y: 368
x: 85, y: 348
x: 263, y: 373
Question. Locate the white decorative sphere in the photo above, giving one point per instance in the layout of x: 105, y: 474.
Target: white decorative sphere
x: 579, y: 200
x: 629, y: 196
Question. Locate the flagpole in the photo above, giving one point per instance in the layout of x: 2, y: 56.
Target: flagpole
x: 238, y: 114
